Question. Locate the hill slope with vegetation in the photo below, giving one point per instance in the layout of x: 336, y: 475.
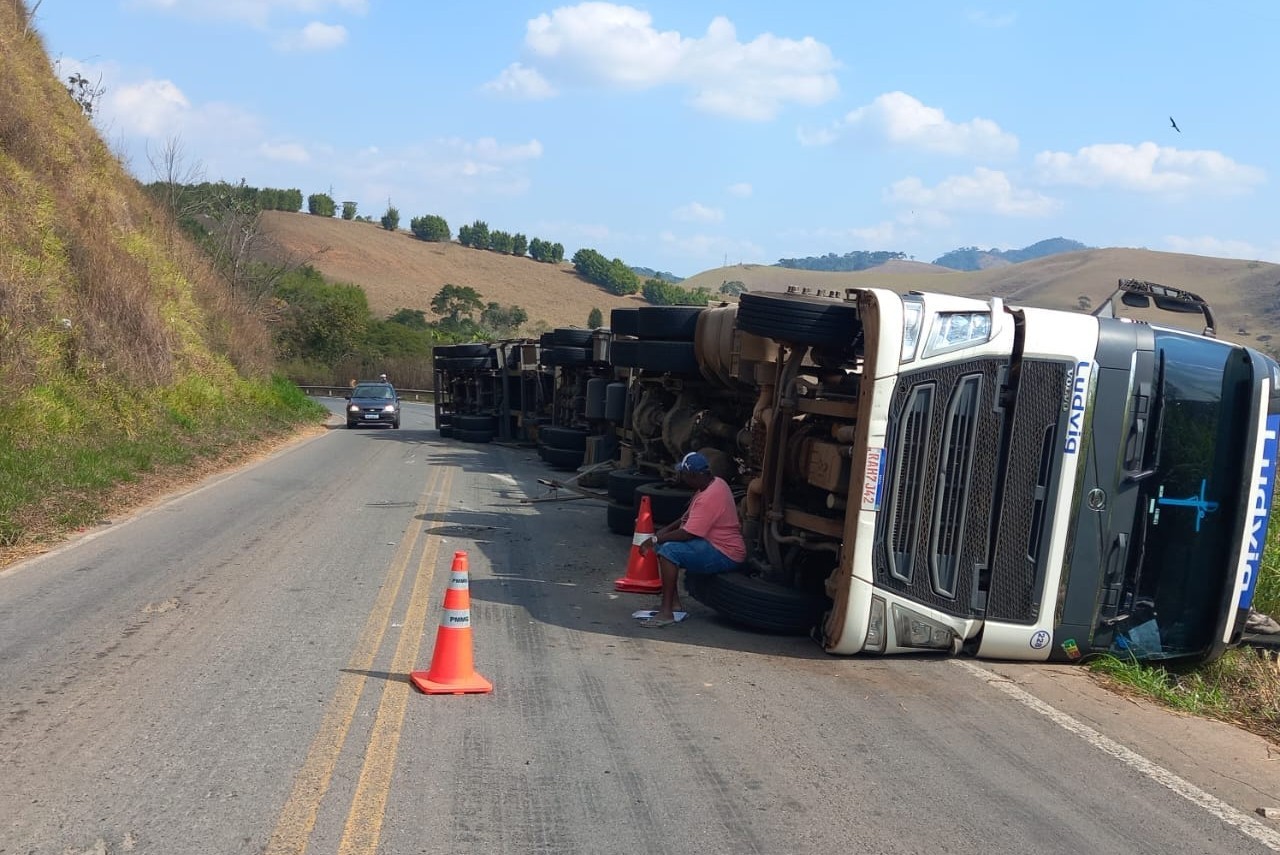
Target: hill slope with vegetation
x: 123, y: 356
x: 398, y: 271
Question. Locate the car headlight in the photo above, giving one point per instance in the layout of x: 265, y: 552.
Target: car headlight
x: 389, y: 408
x: 916, y: 630
x: 353, y: 408
x: 957, y: 329
x: 912, y: 321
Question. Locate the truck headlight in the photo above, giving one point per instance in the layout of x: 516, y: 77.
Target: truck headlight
x: 875, y: 627
x: 916, y: 630
x: 958, y: 329
x: 912, y: 321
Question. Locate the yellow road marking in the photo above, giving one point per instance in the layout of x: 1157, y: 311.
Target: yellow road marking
x: 298, y: 816
x: 368, y: 806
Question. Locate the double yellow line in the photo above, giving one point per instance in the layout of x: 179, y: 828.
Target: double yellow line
x: 364, y: 820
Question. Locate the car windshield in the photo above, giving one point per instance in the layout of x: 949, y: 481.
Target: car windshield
x: 371, y: 392
x: 1190, y: 499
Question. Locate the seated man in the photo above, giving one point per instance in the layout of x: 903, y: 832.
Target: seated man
x: 707, y: 539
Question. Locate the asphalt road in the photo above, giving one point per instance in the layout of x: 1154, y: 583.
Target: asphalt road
x: 227, y: 672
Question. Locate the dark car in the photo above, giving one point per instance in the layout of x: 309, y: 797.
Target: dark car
x: 373, y: 404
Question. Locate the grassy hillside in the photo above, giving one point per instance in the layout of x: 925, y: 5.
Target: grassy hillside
x: 120, y: 352
x: 398, y: 271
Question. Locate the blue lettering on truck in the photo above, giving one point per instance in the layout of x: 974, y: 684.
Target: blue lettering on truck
x: 1075, y: 421
x: 1264, y: 477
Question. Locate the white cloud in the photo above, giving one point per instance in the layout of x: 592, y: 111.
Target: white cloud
x: 617, y: 46
x: 903, y: 120
x: 518, y: 81
x: 742, y: 190
x: 1221, y: 248
x: 151, y: 108
x: 256, y: 13
x: 1147, y: 168
x: 983, y: 191
x: 286, y: 152
x: 314, y: 36
x: 696, y: 212
x: 702, y: 249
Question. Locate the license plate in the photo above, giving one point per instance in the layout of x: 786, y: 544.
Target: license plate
x: 370, y: 415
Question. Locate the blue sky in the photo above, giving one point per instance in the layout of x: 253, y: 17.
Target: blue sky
x: 681, y: 135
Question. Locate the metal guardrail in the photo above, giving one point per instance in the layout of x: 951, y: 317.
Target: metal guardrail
x: 427, y: 395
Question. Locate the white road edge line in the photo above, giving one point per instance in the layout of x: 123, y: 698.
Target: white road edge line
x: 1243, y: 822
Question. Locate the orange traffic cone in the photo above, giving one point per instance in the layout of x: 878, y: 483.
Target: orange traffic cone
x: 642, y: 570
x: 452, y: 671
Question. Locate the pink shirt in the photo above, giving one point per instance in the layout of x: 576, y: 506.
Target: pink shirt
x: 713, y: 516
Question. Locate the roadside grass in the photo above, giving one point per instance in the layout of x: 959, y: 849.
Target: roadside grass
x: 67, y: 450
x: 1242, y: 688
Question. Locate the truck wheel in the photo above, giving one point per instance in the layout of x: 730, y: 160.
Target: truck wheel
x: 468, y: 421
x: 757, y: 604
x: 621, y: 519
x: 569, y: 439
x: 474, y: 349
x: 470, y: 363
x: 561, y: 458
x: 673, y: 323
x: 800, y: 319
x: 666, y: 503
x: 566, y: 355
x: 570, y: 337
x: 667, y: 357
x: 623, y: 484
x: 624, y: 321
x: 445, y: 431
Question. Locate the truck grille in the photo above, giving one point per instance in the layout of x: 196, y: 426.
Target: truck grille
x: 941, y: 499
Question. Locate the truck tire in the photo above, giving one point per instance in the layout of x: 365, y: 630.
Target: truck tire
x: 624, y: 321
x: 624, y: 353
x: 470, y: 363
x: 621, y: 519
x: 566, y: 355
x: 468, y: 421
x: 570, y: 337
x: 757, y: 604
x: 561, y: 458
x: 665, y: 502
x: 667, y: 357
x: 445, y: 431
x: 671, y: 323
x: 800, y: 319
x: 568, y: 439
x: 622, y: 485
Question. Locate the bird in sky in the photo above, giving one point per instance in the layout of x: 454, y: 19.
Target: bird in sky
x: 1175, y: 125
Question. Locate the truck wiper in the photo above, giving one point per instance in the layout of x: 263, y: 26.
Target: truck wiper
x: 1151, y: 428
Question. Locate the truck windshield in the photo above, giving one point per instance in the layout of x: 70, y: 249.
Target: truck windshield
x: 1187, y: 517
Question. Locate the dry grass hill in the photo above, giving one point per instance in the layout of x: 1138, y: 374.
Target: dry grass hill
x: 398, y: 271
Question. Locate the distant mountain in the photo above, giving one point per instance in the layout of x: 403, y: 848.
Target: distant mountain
x: 972, y: 258
x: 648, y: 273
x: 847, y: 263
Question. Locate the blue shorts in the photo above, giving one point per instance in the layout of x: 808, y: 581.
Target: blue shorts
x: 696, y: 556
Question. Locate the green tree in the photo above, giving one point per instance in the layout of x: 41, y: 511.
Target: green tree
x: 519, y: 244
x: 539, y: 250
x: 595, y: 319
x: 321, y: 322
x: 503, y: 320
x: 391, y: 219
x: 431, y: 227
x: 412, y: 318
x: 321, y: 204
x: 557, y: 253
x: 732, y: 288
x: 476, y: 235
x: 500, y: 242
x: 661, y: 293
x: 348, y: 210
x: 455, y: 302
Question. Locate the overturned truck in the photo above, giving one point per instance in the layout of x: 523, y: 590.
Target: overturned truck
x: 925, y: 472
